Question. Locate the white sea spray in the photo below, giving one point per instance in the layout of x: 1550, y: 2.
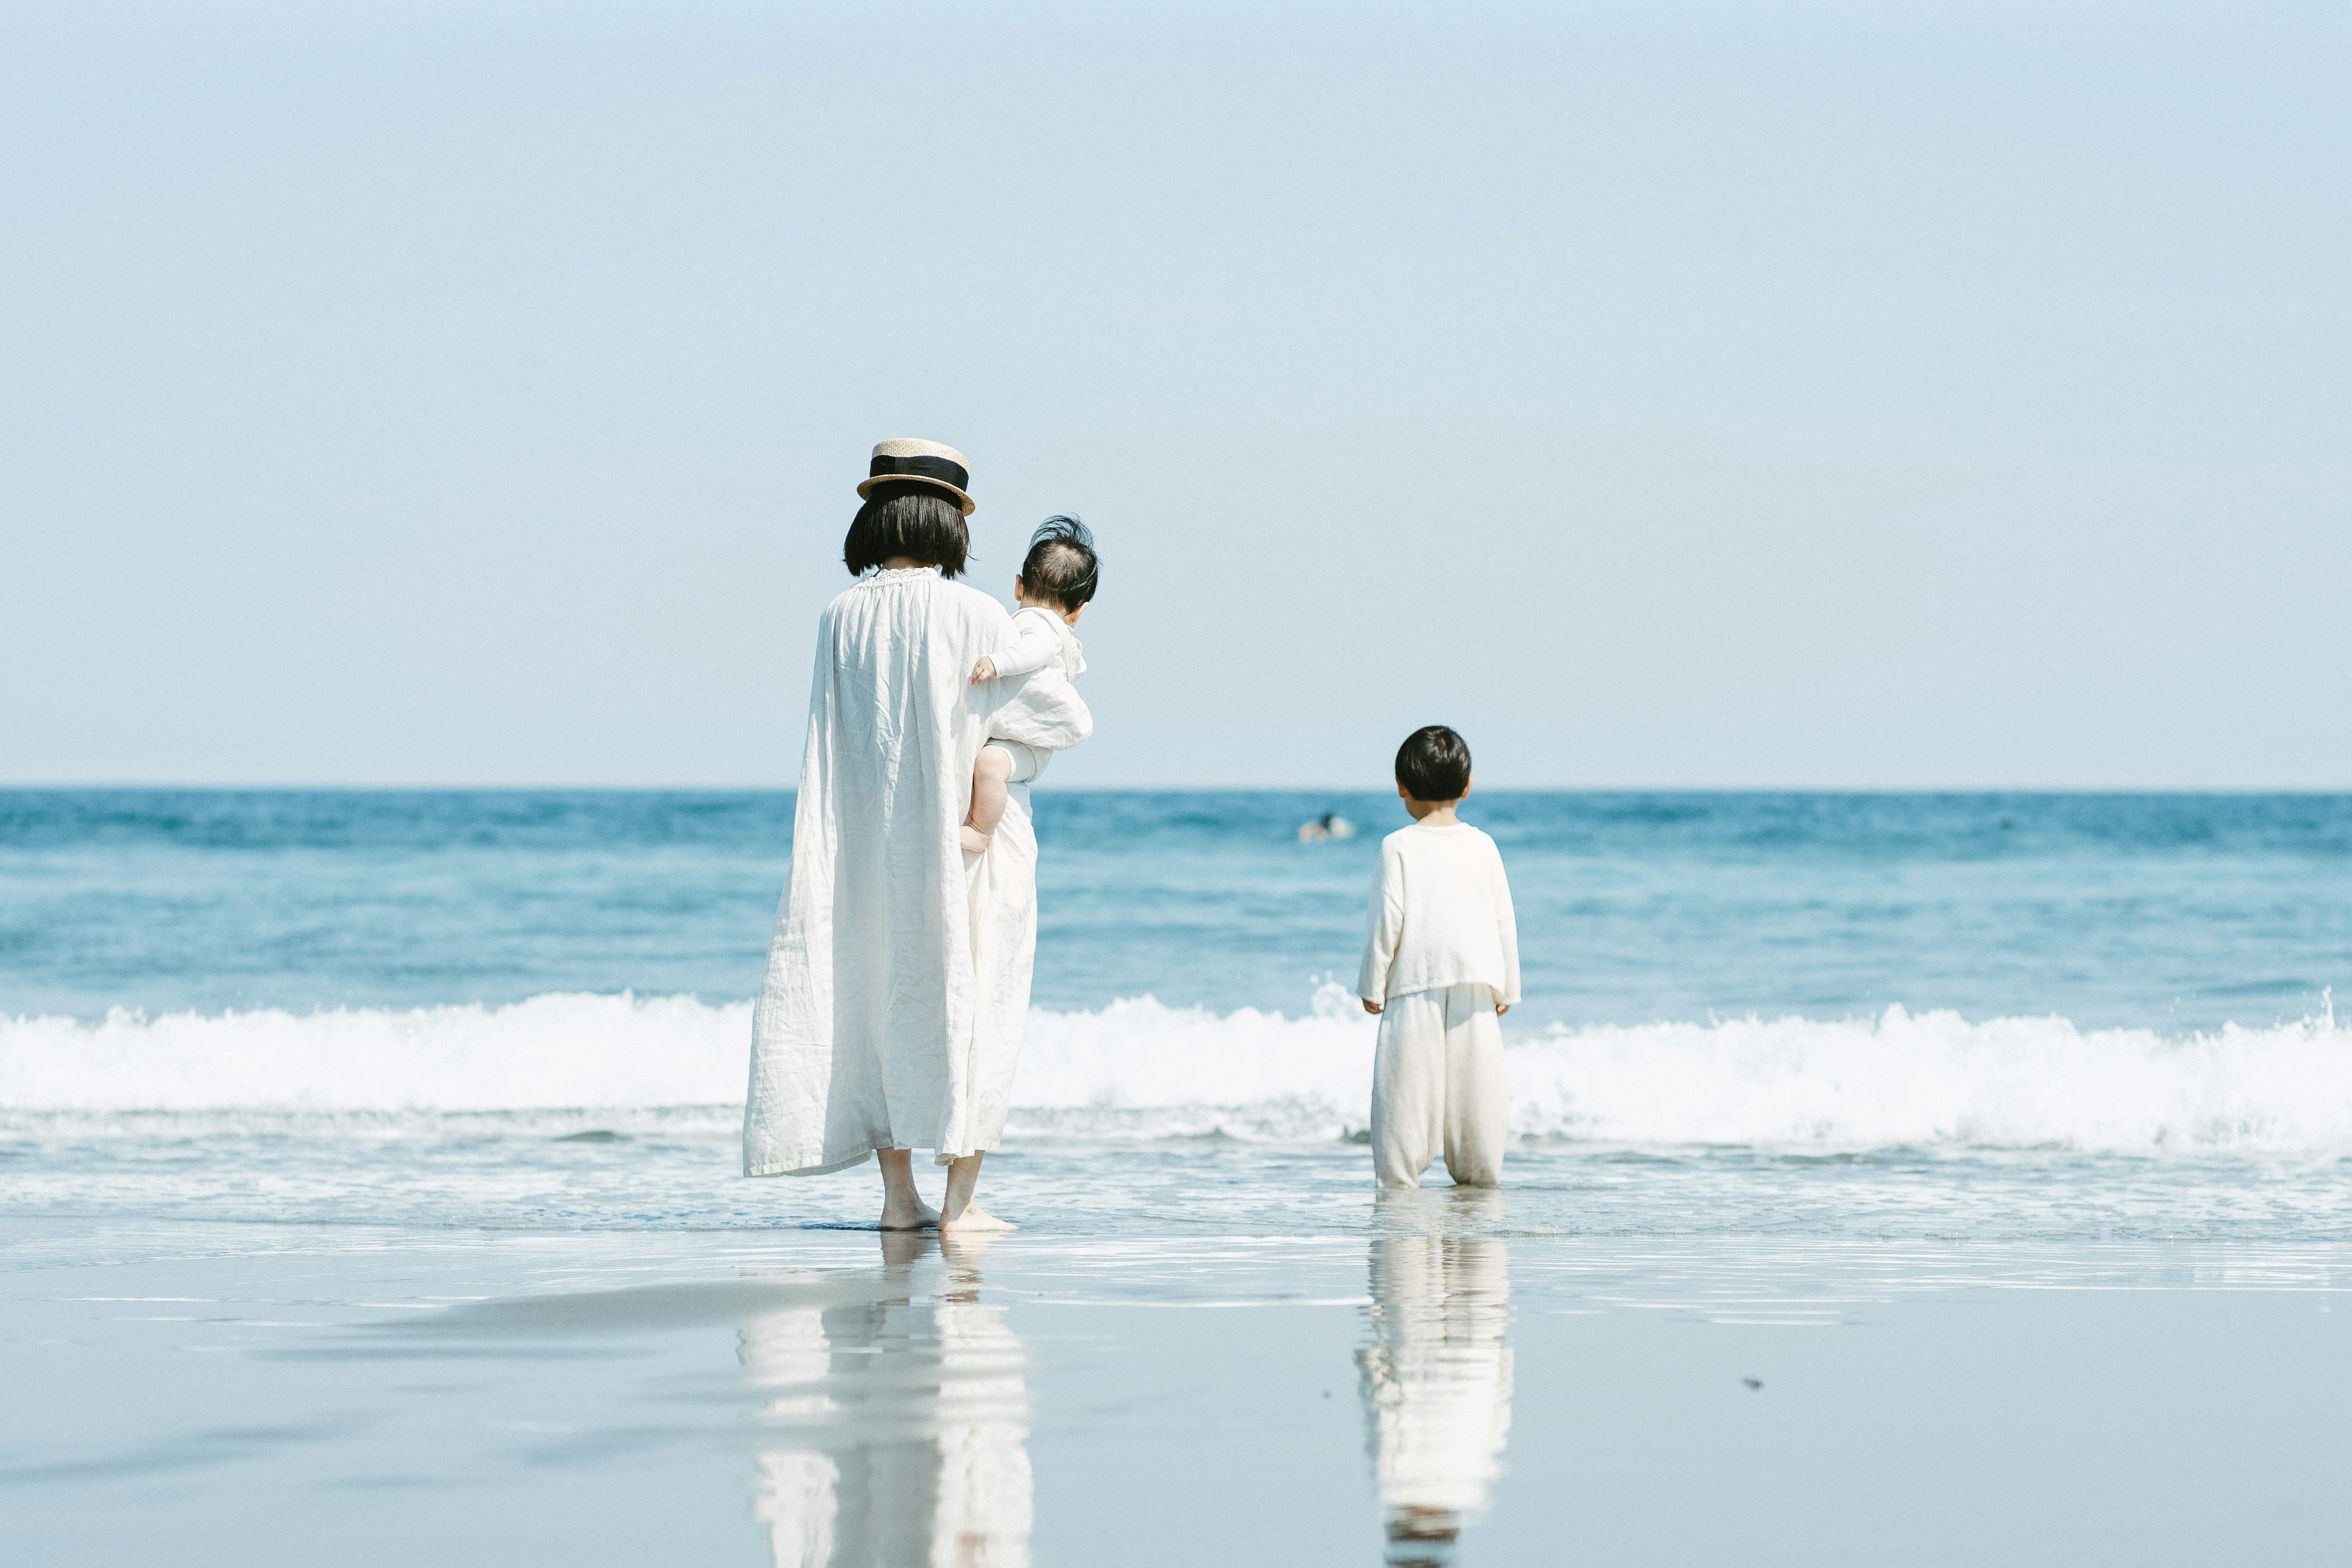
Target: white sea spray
x: 1141, y: 1069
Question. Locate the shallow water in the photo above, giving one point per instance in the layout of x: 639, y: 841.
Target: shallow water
x: 676, y: 1172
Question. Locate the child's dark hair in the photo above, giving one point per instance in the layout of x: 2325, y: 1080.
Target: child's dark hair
x: 913, y: 521
x: 1433, y: 764
x: 1061, y: 567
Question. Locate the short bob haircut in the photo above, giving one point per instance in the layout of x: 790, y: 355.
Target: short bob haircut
x: 913, y: 521
x: 1061, y: 567
x: 1433, y: 764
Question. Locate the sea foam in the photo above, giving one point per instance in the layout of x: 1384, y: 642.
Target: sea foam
x: 1141, y: 1069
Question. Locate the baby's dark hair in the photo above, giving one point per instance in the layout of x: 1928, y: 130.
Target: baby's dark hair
x: 1433, y: 764
x: 1061, y: 567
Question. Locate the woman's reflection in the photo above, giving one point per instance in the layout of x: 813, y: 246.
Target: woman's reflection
x: 906, y: 1419
x: 1436, y: 1371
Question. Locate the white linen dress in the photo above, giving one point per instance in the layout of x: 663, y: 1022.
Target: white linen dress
x: 1441, y: 950
x: 898, y: 981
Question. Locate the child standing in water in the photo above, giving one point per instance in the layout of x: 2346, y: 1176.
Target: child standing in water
x: 1441, y: 965
x: 1057, y: 581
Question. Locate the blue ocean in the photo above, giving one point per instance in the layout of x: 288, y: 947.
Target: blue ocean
x: 1814, y: 1014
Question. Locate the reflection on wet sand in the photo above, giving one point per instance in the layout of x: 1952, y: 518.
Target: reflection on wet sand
x: 902, y: 1418
x: 1436, y: 1371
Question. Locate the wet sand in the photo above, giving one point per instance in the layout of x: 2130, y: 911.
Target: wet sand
x: 1441, y: 1388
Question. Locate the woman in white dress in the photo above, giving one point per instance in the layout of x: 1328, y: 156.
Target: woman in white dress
x: 898, y: 981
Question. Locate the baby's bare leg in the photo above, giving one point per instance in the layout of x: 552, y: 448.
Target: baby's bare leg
x: 988, y: 795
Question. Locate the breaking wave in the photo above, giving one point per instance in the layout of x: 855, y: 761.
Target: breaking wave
x: 1139, y: 1069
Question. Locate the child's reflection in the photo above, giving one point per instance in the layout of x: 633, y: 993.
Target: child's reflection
x: 906, y: 1417
x: 1436, y: 1370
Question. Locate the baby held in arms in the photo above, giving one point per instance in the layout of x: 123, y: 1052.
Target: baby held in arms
x: 1056, y: 583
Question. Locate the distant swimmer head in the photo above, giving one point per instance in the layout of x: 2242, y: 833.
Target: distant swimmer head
x: 1061, y: 569
x: 1433, y: 765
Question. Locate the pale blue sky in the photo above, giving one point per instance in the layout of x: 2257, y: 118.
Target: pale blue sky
x: 1819, y: 396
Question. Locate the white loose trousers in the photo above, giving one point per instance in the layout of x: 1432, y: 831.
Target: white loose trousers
x: 1438, y: 1087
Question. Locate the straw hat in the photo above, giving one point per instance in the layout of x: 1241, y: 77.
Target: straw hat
x: 905, y: 460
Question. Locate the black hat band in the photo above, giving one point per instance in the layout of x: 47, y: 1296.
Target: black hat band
x: 939, y: 469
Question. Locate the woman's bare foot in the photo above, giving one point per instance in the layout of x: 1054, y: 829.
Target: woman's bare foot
x: 971, y: 1220
x: 918, y: 1216
x: 902, y: 1209
x: 975, y: 842
x: 960, y: 1212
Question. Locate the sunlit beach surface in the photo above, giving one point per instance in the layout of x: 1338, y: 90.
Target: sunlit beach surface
x: 1454, y: 1381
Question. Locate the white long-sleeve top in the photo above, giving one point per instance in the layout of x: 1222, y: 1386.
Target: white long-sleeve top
x: 1035, y: 668
x: 1041, y: 637
x: 1441, y: 915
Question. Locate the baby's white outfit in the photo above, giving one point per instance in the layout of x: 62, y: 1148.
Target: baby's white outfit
x: 1443, y: 949
x: 1041, y: 643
